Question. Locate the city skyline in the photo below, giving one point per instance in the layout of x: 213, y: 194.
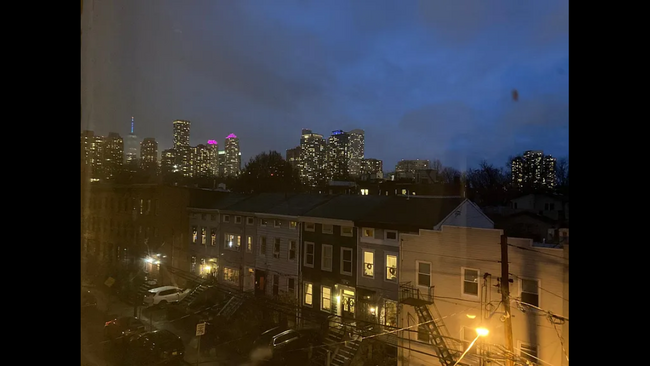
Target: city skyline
x: 389, y: 70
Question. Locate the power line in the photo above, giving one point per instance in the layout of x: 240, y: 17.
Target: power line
x: 550, y: 292
x: 537, y: 251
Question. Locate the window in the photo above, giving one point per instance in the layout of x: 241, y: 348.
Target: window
x: 226, y: 218
x: 263, y: 222
x: 328, y: 229
x: 308, y: 293
x: 231, y: 275
x: 529, y: 352
x: 368, y: 263
x: 292, y: 250
x: 346, y: 261
x: 368, y: 232
x: 291, y: 286
x: 470, y: 281
x: 326, y: 258
x: 529, y: 291
x: 213, y: 237
x: 346, y: 231
x: 250, y: 221
x: 213, y: 217
x: 326, y: 298
x: 309, y: 254
x: 468, y: 334
x: 194, y: 234
x: 423, y: 330
x: 232, y: 241
x: 424, y: 273
x: 390, y: 235
x: 276, y: 248
x: 391, y: 267
x: 293, y: 224
x: 249, y: 244
x: 263, y: 245
x: 277, y: 223
x: 203, y: 235
x: 310, y: 226
x: 364, y: 191
x: 237, y: 219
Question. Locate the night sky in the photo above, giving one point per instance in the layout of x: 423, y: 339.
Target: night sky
x: 424, y: 79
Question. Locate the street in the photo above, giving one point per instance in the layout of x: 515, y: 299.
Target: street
x: 95, y: 351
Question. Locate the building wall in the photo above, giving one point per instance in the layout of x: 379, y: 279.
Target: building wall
x: 235, y: 223
x: 453, y: 249
x: 380, y: 246
x: 467, y: 215
x: 197, y: 251
x: 541, y: 204
x: 274, y: 227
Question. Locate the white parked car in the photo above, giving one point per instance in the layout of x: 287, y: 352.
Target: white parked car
x: 165, y: 294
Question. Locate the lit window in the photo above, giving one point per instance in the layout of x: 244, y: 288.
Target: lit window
x: 249, y: 244
x: 368, y: 264
x: 470, y: 281
x: 368, y: 232
x: 293, y: 224
x: 391, y: 267
x: 308, y: 293
x: 213, y: 237
x: 326, y: 298
x: 403, y: 191
x: 203, y: 235
x: 195, y: 234
x: 232, y: 241
x: 231, y: 275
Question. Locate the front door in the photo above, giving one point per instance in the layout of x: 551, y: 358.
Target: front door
x: 260, y: 282
x: 347, y: 303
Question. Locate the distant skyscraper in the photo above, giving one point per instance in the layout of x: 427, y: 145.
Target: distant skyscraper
x: 200, y: 161
x: 131, y: 145
x: 533, y: 170
x: 372, y: 168
x: 92, y: 148
x: 113, y: 155
x: 233, y: 156
x: 181, y: 146
x: 293, y: 157
x: 168, y: 162
x: 221, y: 157
x: 213, y: 157
x: 356, y: 152
x: 407, y: 168
x: 149, y: 155
x: 312, y: 162
x: 338, y: 146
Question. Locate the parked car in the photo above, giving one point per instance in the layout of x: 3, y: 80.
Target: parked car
x: 159, y: 347
x: 123, y: 328
x: 279, y: 345
x: 165, y: 294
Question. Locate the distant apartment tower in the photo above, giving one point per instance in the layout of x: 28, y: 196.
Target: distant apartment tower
x: 533, y: 170
x: 293, y: 157
x: 356, y: 152
x: 372, y: 168
x: 168, y: 162
x: 221, y: 157
x: 199, y: 161
x: 149, y: 155
x: 113, y: 155
x: 213, y: 158
x: 312, y: 158
x: 233, y: 156
x: 338, y: 145
x: 131, y: 147
x: 92, y: 150
x: 407, y: 168
x: 181, y: 146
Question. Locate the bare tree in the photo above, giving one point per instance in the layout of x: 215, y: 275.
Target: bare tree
x: 562, y: 172
x: 436, y: 164
x: 449, y: 175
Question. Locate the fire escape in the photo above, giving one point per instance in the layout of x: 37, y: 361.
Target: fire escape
x: 422, y: 302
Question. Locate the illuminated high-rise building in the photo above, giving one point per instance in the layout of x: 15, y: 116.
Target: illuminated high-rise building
x: 149, y: 155
x: 372, y: 168
x: 131, y: 147
x: 113, y: 155
x: 356, y: 152
x: 407, y: 168
x: 293, y: 157
x: 221, y: 158
x: 92, y: 150
x: 181, y: 146
x: 533, y: 170
x: 168, y: 162
x: 213, y: 158
x: 232, y: 165
x: 200, y: 161
x: 338, y: 146
x: 312, y: 164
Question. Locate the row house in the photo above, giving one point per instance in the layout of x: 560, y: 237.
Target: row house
x: 452, y: 275
x: 379, y: 247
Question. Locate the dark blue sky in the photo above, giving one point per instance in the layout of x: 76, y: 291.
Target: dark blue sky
x: 424, y: 79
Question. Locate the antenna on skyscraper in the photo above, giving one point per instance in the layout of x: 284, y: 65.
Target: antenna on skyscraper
x: 132, y: 121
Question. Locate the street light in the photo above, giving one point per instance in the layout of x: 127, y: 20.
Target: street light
x: 480, y: 332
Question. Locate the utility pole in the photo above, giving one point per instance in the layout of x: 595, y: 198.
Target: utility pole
x: 505, y: 298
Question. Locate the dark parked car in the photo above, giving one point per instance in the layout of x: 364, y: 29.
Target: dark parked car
x: 123, y: 328
x: 281, y: 345
x: 159, y: 347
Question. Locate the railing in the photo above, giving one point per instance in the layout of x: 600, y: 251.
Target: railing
x: 408, y: 291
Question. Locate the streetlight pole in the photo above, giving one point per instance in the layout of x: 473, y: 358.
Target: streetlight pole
x: 480, y: 332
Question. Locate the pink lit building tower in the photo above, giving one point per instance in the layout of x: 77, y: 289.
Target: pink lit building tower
x: 232, y: 165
